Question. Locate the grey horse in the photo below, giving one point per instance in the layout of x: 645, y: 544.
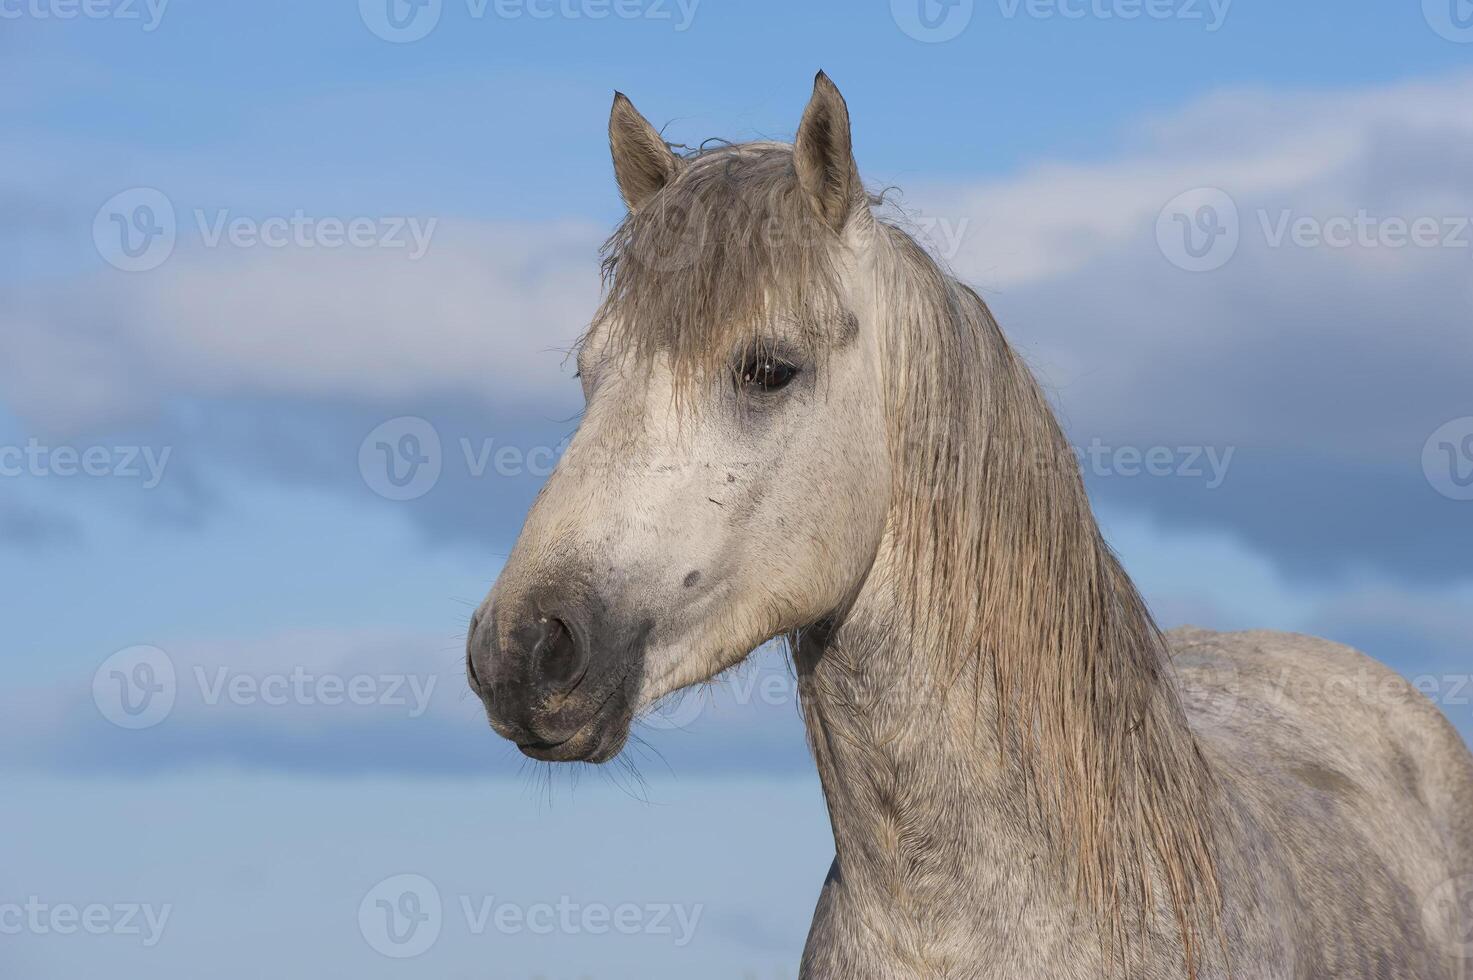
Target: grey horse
x: 799, y: 426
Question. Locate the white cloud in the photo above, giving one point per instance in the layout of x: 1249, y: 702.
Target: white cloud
x: 1055, y: 218
x: 1353, y: 353
x: 1067, y: 251
x: 482, y: 315
x: 1327, y: 368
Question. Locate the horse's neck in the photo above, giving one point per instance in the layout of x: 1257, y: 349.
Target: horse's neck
x: 931, y: 822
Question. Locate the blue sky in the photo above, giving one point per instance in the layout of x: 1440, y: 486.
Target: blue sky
x: 1300, y: 390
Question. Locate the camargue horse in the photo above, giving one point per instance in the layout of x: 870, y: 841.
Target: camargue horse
x: 799, y: 426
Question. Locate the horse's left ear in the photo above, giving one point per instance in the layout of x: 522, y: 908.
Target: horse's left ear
x: 823, y: 155
x: 643, y: 162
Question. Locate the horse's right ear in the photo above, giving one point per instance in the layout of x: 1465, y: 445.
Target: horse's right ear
x: 643, y: 162
x: 823, y: 156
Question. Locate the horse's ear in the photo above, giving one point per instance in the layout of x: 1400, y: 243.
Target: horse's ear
x: 643, y: 163
x: 824, y: 156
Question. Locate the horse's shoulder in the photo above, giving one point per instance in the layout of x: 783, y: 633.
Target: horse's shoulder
x: 1283, y: 660
x: 1330, y: 754
x: 1327, y: 714
x: 1297, y: 700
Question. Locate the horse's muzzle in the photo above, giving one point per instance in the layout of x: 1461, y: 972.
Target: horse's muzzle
x: 555, y: 678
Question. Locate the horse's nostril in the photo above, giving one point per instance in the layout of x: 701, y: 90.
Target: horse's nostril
x: 470, y: 671
x: 472, y: 646
x: 557, y: 653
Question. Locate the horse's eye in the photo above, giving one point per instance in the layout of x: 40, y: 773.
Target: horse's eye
x: 767, y: 373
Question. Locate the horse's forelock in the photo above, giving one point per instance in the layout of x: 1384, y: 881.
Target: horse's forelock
x: 727, y: 254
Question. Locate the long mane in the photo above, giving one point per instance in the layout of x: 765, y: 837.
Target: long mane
x: 1004, y: 566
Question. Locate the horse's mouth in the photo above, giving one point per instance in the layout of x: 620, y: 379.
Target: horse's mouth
x: 598, y: 739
